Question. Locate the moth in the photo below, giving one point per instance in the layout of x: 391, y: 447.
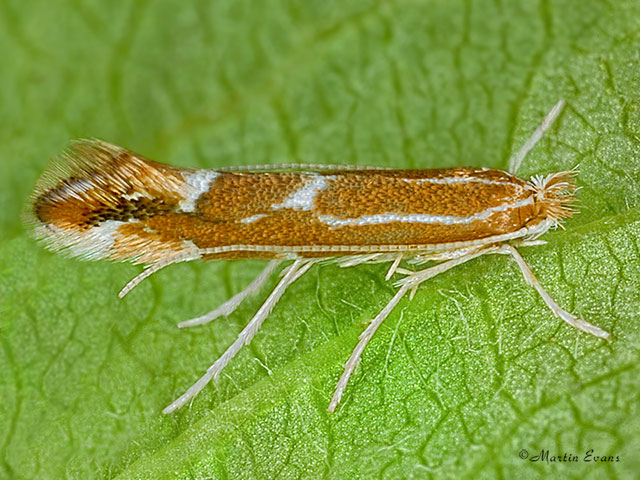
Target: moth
x: 101, y: 201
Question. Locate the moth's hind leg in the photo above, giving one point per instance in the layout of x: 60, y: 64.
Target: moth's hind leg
x: 409, y: 283
x: 228, y: 307
x: 291, y: 274
x: 146, y: 273
x: 550, y: 302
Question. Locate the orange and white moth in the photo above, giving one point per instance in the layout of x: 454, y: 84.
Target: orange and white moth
x: 100, y: 201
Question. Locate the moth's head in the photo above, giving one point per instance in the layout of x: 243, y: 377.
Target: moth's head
x: 554, y: 196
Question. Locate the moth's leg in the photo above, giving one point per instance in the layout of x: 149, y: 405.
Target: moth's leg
x: 550, y: 302
x: 354, y: 359
x: 420, y: 259
x: 528, y: 243
x: 353, y: 260
x: 416, y: 278
x: 295, y: 271
x: 516, y: 159
x: 394, y: 266
x: 412, y: 281
x: 147, y: 272
x: 230, y: 305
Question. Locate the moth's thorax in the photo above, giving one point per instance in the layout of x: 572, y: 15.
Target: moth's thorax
x: 105, y: 202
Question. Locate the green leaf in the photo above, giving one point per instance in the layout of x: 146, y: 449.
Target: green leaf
x: 456, y: 382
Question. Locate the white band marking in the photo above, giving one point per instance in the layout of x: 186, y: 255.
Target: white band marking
x: 253, y: 218
x: 531, y: 232
x: 452, y: 180
x: 382, y: 218
x: 195, y: 184
x: 302, y: 199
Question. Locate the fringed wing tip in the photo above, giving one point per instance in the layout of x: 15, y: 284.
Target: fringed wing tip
x: 81, y: 199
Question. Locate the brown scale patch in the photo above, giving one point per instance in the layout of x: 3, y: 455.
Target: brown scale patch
x: 71, y: 213
x: 136, y: 209
x: 301, y: 228
x: 91, y: 182
x: 138, y: 240
x: 370, y: 193
x: 282, y: 231
x: 234, y: 196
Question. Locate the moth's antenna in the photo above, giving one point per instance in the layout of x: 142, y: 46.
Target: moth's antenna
x: 516, y: 160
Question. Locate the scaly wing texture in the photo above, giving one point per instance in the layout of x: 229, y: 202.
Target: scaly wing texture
x: 95, y: 200
x: 455, y: 383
